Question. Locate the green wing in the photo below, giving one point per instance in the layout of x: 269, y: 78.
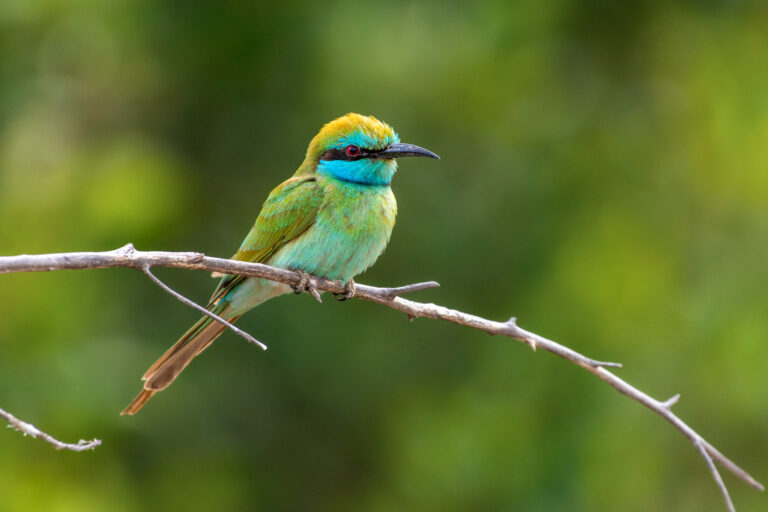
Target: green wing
x: 288, y: 211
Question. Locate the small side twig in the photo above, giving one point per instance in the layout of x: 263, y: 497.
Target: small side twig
x: 392, y: 293
x: 715, y: 474
x: 29, y: 429
x: 194, y: 305
x: 671, y: 401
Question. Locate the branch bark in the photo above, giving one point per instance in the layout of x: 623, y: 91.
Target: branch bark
x: 129, y: 257
x: 29, y: 429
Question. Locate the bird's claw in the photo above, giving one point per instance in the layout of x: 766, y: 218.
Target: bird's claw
x: 305, y: 284
x: 302, y: 284
x: 349, y: 291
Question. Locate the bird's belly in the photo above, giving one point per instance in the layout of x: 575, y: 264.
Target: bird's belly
x: 346, y: 239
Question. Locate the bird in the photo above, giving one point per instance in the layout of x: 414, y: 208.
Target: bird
x: 333, y: 218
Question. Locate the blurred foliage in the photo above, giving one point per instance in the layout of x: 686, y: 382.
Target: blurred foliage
x: 604, y: 178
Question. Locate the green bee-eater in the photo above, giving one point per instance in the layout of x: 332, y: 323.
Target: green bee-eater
x: 332, y: 218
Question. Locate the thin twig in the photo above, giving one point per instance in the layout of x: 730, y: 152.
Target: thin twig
x: 715, y: 474
x: 410, y: 288
x: 671, y: 401
x: 200, y: 308
x: 30, y: 430
x: 129, y: 257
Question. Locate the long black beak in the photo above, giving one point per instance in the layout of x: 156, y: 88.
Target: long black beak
x: 399, y: 150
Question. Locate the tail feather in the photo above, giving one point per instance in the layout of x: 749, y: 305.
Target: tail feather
x: 165, y: 370
x: 186, y: 339
x: 138, y: 402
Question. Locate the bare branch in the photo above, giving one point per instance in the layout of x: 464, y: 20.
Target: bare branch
x: 30, y: 430
x: 129, y: 257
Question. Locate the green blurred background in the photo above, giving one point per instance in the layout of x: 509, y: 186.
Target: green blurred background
x: 604, y: 178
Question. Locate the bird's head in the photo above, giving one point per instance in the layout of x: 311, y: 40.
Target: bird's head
x: 358, y: 149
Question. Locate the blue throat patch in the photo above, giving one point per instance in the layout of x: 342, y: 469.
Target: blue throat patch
x: 363, y: 171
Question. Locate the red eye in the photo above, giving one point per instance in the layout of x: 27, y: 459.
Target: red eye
x: 352, y: 151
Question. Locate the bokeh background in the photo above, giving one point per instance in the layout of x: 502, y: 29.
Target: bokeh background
x: 604, y: 178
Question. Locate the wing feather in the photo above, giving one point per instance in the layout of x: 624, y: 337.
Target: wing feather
x: 290, y: 209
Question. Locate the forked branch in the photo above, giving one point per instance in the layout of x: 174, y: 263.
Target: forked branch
x: 129, y: 257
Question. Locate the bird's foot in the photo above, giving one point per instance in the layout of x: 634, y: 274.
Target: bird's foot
x: 302, y: 284
x: 306, y: 284
x: 349, y: 291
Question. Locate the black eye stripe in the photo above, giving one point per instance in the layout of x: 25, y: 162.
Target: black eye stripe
x: 341, y: 154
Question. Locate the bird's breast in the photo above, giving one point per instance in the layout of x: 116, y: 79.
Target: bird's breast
x: 352, y: 229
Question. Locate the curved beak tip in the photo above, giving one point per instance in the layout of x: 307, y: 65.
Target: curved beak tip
x: 400, y: 150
